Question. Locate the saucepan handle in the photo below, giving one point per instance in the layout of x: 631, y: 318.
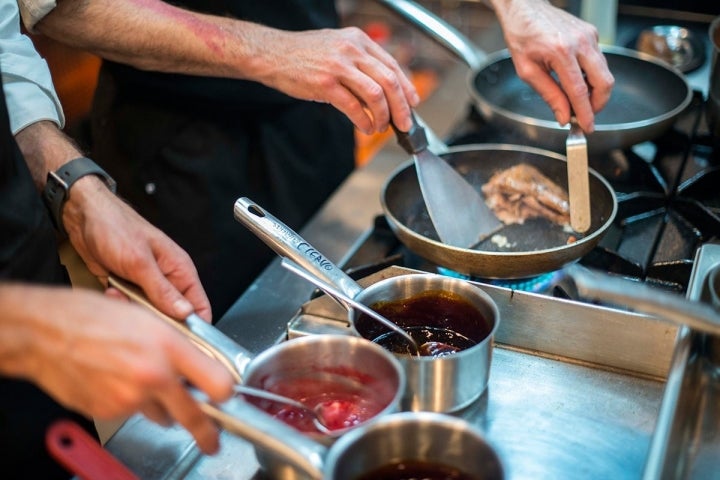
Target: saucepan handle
x: 202, y: 333
x: 286, y: 243
x: 81, y: 454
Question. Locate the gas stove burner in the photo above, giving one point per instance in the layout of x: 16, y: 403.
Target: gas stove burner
x: 538, y: 284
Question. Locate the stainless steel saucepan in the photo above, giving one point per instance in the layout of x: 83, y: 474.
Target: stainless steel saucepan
x: 441, y: 384
x: 430, y: 443
x: 318, y: 371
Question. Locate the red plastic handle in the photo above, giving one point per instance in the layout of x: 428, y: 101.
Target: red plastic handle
x: 82, y: 455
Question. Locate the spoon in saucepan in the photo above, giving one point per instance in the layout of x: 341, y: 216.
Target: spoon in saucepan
x: 319, y: 420
x: 334, y: 292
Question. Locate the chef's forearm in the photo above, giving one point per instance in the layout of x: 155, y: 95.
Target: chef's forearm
x: 154, y: 35
x: 45, y: 148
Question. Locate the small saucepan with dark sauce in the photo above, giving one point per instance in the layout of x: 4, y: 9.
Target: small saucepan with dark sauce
x: 453, y: 321
x: 425, y: 445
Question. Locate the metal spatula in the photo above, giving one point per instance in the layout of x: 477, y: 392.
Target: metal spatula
x: 578, y: 178
x: 457, y: 210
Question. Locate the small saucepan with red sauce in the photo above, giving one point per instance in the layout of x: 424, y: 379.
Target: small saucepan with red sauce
x: 452, y: 320
x: 339, y: 381
x: 397, y: 446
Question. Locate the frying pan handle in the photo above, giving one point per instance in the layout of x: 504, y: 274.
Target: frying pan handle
x: 665, y: 305
x: 439, y: 30
x: 204, y: 335
x: 286, y: 243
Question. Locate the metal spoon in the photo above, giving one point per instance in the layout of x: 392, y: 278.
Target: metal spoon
x: 334, y: 292
x: 318, y: 419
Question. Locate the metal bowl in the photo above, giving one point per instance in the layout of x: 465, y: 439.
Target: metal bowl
x: 676, y: 45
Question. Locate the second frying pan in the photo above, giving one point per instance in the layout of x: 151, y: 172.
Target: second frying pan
x: 647, y: 97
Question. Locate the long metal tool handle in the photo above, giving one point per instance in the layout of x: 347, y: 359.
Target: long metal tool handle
x: 333, y: 292
x: 439, y: 30
x: 207, y: 337
x: 287, y: 243
x: 267, y: 433
x: 666, y: 306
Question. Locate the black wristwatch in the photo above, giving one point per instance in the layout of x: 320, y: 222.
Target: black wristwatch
x: 57, y: 188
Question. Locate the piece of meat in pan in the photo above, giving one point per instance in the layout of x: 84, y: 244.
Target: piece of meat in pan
x: 522, y: 192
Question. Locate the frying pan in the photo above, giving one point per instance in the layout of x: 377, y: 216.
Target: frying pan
x: 516, y: 251
x: 647, y: 97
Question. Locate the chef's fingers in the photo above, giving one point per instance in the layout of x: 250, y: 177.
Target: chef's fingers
x: 547, y: 87
x: 577, y: 90
x: 398, y: 88
x: 207, y: 375
x: 181, y: 406
x: 172, y: 284
x: 201, y: 370
x: 369, y: 95
x: 116, y: 294
x: 347, y: 102
x: 155, y: 412
x: 598, y: 77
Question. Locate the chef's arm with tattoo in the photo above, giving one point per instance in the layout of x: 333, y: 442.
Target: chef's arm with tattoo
x: 342, y: 67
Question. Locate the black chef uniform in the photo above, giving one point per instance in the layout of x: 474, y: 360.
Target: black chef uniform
x: 184, y: 148
x: 28, y: 253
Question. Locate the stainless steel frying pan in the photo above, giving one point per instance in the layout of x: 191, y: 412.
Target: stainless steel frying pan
x: 516, y: 251
x: 648, y: 94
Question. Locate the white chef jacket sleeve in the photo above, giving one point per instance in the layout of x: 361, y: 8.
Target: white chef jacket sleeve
x: 32, y: 11
x: 26, y: 79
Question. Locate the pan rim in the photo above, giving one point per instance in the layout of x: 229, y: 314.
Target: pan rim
x: 504, y: 54
x: 591, y: 239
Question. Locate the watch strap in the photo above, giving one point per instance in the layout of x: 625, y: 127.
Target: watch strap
x: 59, y: 182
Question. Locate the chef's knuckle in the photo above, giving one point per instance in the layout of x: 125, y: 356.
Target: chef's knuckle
x: 374, y: 94
x: 327, y: 82
x: 580, y: 90
x: 525, y: 70
x: 354, y: 34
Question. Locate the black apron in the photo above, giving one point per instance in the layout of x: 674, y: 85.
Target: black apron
x: 28, y: 252
x: 184, y: 148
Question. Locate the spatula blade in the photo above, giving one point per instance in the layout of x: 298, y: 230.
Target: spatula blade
x: 578, y: 179
x: 457, y: 210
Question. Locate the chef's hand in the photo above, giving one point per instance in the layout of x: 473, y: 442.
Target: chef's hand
x: 345, y: 68
x: 108, y: 358
x: 111, y: 237
x: 544, y: 39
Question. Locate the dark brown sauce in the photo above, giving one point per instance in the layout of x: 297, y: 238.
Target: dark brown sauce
x: 414, y: 470
x: 432, y: 342
x: 441, y: 322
